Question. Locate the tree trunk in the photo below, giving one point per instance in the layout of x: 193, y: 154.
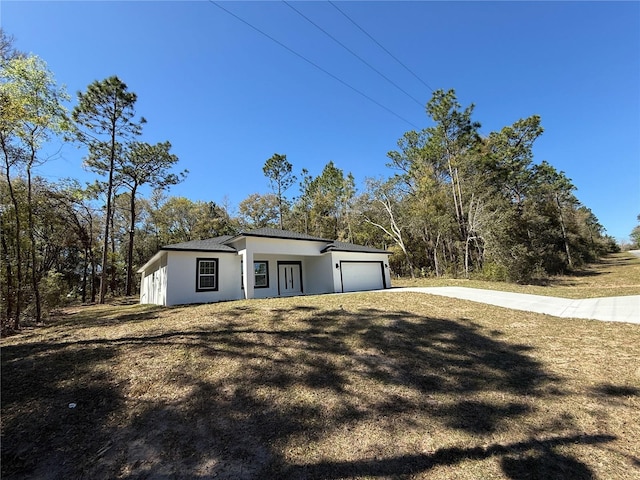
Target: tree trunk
x: 396, y: 235
x: 14, y: 201
x: 453, y: 191
x: 132, y: 226
x: 107, y: 222
x: 280, y: 205
x: 466, y: 257
x: 85, y: 273
x: 105, y: 247
x: 32, y: 241
x: 113, y: 283
x: 92, y: 262
x: 435, y: 256
x: 564, y: 233
x: 94, y: 279
x: 7, y: 262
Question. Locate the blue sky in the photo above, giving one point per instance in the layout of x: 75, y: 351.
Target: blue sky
x: 228, y: 98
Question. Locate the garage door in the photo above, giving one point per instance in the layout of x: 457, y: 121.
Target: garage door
x: 358, y: 276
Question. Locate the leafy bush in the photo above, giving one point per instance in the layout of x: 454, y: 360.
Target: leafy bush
x: 53, y: 291
x: 494, y: 272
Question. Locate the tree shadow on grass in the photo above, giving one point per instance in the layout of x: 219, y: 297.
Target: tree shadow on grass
x: 55, y: 405
x: 546, y: 463
x: 258, y: 391
x: 610, y: 390
x: 516, y: 459
x: 104, y: 316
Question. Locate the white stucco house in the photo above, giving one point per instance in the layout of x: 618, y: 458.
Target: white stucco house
x: 258, y: 264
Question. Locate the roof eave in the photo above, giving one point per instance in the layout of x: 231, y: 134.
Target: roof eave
x: 151, y: 261
x: 159, y: 253
x: 331, y: 248
x: 283, y: 237
x: 213, y: 249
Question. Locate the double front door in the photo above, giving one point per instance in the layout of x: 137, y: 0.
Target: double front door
x: 289, y: 279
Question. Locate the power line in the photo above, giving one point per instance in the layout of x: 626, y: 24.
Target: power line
x: 352, y: 53
x: 314, y: 64
x: 380, y: 45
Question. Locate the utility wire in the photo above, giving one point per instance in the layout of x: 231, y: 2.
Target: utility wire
x: 353, y: 53
x: 314, y: 64
x: 380, y: 45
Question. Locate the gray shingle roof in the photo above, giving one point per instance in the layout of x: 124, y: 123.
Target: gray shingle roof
x: 337, y: 246
x: 208, y: 245
x: 222, y: 243
x: 277, y: 233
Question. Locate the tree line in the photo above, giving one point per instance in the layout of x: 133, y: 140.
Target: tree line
x: 458, y: 203
x: 455, y: 203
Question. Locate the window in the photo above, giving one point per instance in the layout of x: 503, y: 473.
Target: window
x: 261, y: 277
x: 207, y: 274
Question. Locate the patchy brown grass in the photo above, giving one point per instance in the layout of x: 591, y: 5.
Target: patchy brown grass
x: 371, y: 385
x: 614, y: 275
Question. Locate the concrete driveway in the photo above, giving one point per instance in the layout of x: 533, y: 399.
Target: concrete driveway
x: 612, y: 309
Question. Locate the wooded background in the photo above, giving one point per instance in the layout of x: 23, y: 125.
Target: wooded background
x: 455, y: 203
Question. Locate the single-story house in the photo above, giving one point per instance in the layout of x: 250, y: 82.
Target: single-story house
x: 260, y: 263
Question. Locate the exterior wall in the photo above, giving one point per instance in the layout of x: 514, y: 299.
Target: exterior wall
x: 272, y: 289
x: 317, y: 273
x: 280, y: 246
x: 181, y: 284
x: 337, y: 257
x: 153, y: 284
x: 171, y: 280
x: 272, y: 250
x: 247, y: 281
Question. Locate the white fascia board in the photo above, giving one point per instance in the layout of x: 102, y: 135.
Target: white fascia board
x: 150, y: 262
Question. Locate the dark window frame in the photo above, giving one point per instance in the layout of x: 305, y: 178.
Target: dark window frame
x: 266, y: 275
x: 200, y: 275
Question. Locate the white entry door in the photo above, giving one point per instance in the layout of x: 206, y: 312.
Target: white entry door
x: 289, y: 279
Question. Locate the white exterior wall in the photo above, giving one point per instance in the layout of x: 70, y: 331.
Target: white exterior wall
x: 337, y: 257
x: 153, y: 284
x: 317, y: 274
x: 171, y: 280
x: 272, y: 289
x: 181, y: 284
x: 316, y: 278
x: 279, y: 246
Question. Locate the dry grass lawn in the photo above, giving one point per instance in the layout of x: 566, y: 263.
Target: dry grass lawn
x: 367, y: 385
x: 614, y: 275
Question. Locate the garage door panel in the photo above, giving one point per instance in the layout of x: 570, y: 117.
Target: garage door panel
x: 358, y: 276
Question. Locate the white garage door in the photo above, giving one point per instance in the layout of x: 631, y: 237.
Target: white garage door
x: 358, y: 276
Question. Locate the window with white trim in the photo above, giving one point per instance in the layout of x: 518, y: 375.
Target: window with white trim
x: 207, y: 274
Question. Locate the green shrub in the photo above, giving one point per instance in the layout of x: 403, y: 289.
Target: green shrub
x: 53, y: 291
x: 494, y: 272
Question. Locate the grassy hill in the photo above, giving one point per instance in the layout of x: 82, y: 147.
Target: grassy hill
x: 365, y: 385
